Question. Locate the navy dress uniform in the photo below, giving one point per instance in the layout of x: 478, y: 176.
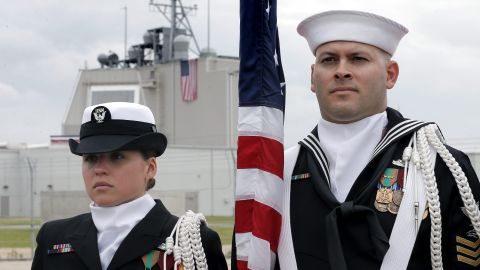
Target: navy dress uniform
x: 72, y: 244
x: 355, y: 234
x: 382, y: 192
x: 132, y: 233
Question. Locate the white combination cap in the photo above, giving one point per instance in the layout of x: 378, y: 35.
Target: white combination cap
x: 351, y: 25
x: 116, y: 126
x: 119, y: 111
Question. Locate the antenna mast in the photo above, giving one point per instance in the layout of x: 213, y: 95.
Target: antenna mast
x: 176, y: 14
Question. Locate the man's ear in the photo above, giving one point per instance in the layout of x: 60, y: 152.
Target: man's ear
x: 392, y: 73
x: 313, y: 88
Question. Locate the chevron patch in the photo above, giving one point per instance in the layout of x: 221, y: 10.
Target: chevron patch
x: 468, y: 252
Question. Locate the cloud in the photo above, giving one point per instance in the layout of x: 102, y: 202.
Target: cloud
x: 45, y: 42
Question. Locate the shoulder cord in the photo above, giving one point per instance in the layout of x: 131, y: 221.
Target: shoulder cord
x: 187, y: 247
x: 422, y: 140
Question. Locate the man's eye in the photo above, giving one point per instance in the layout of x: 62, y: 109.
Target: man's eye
x: 327, y: 60
x: 359, y: 59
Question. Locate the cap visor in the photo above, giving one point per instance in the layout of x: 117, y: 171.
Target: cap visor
x: 108, y: 143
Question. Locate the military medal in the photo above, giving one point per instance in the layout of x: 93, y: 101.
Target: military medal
x: 384, y: 195
x: 397, y: 197
x: 61, y: 248
x: 169, y: 261
x: 380, y: 206
x: 389, y: 194
x: 150, y: 259
x: 393, y: 208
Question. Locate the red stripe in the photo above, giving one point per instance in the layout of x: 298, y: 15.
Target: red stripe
x: 261, y: 220
x: 261, y: 153
x: 242, y: 265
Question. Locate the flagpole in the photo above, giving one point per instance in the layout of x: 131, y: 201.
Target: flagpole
x: 208, y: 26
x: 125, y: 34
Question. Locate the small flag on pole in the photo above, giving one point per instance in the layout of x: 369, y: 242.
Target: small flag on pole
x: 188, y: 79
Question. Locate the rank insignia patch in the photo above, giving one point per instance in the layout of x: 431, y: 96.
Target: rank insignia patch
x: 60, y: 248
x: 390, y: 191
x: 468, y: 252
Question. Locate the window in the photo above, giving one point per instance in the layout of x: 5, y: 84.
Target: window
x: 111, y: 93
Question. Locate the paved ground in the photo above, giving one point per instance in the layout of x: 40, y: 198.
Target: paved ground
x: 15, y: 265
x: 27, y: 264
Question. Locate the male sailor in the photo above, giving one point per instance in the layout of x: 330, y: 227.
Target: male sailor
x: 367, y: 188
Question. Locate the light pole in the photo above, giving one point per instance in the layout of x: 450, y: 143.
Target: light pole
x: 31, y: 168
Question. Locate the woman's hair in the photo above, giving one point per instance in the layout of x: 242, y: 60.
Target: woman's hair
x: 146, y: 154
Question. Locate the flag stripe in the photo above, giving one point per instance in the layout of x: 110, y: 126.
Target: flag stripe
x: 242, y: 265
x: 261, y: 121
x: 249, y: 242
x: 262, y: 153
x: 262, y: 186
x: 265, y: 224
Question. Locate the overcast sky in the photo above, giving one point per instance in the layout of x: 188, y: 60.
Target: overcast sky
x: 44, y: 43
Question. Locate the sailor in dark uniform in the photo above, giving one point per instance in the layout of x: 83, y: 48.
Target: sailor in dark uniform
x: 127, y: 228
x: 367, y: 188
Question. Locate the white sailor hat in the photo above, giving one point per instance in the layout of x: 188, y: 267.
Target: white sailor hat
x: 351, y: 25
x: 118, y: 126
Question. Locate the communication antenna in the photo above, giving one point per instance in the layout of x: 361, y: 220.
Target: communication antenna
x: 176, y: 14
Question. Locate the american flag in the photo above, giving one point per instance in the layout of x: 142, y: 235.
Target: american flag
x: 188, y: 79
x: 259, y: 186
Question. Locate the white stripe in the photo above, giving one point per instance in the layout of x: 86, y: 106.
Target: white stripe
x: 262, y: 186
x: 286, y: 254
x: 322, y: 160
x: 257, y: 251
x: 261, y: 120
x: 393, y: 133
x: 397, y: 132
x: 397, y: 128
x: 316, y: 144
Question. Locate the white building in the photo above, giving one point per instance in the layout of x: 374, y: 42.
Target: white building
x: 197, y: 170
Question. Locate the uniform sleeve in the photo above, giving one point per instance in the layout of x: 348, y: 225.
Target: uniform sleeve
x: 37, y: 263
x: 462, y: 242
x: 213, y: 249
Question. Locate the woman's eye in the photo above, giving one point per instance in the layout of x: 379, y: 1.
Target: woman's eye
x: 90, y: 158
x: 116, y: 156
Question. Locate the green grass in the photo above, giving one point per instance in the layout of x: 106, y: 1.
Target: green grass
x: 220, y: 219
x: 223, y: 226
x: 225, y: 235
x: 15, y: 238
x: 18, y: 221
x: 11, y: 237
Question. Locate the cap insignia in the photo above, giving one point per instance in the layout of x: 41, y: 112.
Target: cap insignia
x: 100, y: 114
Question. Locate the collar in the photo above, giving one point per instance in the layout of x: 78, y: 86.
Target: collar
x: 126, y: 214
x: 397, y: 128
x: 348, y: 148
x: 115, y: 223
